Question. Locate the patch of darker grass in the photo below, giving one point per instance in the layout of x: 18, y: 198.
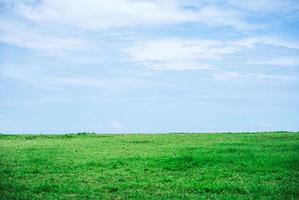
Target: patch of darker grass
x: 232, y: 150
x: 85, y: 133
x: 139, y: 141
x: 116, y: 164
x: 220, y: 189
x: 111, y: 189
x: 30, y: 137
x: 45, y: 187
x: 179, y: 163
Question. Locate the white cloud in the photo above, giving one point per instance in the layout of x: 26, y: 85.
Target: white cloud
x: 102, y: 14
x: 179, y: 54
x: 266, y: 125
x: 250, y: 42
x: 56, y: 83
x: 37, y: 24
x: 280, y: 61
x: 115, y: 125
x: 37, y: 77
x: 233, y: 75
x: 93, y: 82
x: 156, y: 54
x: 267, y: 5
x: 18, y: 34
x: 191, y: 54
x: 223, y: 16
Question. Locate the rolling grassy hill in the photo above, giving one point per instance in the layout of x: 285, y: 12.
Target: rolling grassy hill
x: 158, y: 166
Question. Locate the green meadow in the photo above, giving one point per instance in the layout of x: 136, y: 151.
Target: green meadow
x: 157, y: 166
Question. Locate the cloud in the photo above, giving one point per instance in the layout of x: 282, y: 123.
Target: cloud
x: 102, y: 14
x: 250, y: 42
x: 19, y: 34
x: 179, y: 54
x: 115, y: 14
x: 36, y: 24
x: 38, y: 78
x: 233, y: 75
x: 93, y: 82
x: 220, y: 16
x: 280, y: 61
x: 56, y: 83
x: 266, y: 125
x: 115, y: 125
x: 193, y: 54
x: 267, y: 5
x: 34, y: 21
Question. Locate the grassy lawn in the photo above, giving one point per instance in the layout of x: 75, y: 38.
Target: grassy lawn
x: 160, y: 166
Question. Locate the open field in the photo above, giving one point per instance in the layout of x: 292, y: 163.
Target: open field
x: 160, y: 166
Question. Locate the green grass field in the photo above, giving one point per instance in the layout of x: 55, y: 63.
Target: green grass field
x: 159, y: 166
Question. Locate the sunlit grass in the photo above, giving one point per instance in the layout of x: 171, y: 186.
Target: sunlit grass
x: 159, y: 166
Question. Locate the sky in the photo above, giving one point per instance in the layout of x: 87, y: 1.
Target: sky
x: 148, y: 66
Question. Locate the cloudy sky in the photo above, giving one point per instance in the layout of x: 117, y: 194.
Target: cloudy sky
x: 148, y: 65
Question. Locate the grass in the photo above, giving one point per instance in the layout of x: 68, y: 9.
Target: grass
x: 160, y: 166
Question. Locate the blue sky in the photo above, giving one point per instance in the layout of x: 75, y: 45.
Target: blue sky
x: 148, y: 65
